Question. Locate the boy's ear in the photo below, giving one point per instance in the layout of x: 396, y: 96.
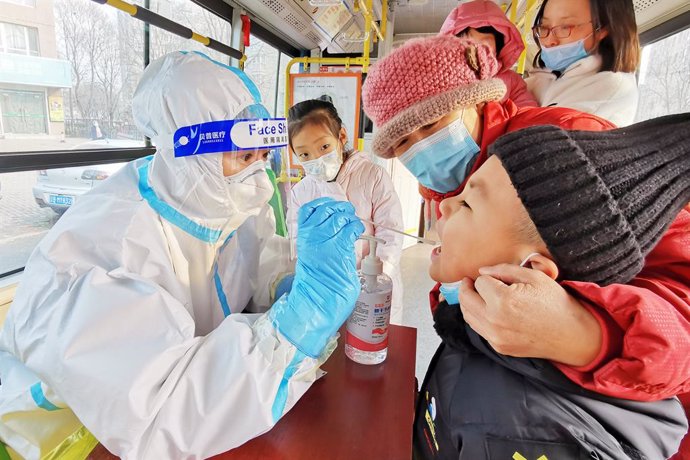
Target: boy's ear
x: 544, y: 265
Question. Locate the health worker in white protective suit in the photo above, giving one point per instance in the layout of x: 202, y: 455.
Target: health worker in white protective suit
x: 128, y: 318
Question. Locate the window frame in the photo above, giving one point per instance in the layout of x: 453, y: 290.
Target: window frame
x: 52, y: 159
x: 673, y: 26
x: 26, y: 3
x: 4, y: 42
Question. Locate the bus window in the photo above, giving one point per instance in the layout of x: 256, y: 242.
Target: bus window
x: 663, y: 80
x: 280, y: 103
x: 69, y: 70
x: 32, y: 201
x: 190, y: 15
x: 262, y: 65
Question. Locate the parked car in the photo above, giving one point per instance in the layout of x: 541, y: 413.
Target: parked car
x: 59, y: 188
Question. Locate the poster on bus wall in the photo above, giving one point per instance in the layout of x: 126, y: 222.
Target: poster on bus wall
x: 342, y: 89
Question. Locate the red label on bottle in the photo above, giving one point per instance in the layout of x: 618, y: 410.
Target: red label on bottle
x: 367, y: 327
x: 366, y: 346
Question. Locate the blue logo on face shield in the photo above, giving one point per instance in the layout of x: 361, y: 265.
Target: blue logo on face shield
x: 230, y: 136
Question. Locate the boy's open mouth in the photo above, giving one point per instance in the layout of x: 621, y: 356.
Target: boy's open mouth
x: 436, y: 252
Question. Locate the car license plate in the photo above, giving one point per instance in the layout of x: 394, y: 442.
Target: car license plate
x: 63, y: 200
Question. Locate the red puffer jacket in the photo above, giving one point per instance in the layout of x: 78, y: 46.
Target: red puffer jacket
x: 646, y: 323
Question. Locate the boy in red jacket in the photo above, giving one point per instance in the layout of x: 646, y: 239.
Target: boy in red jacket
x: 615, y: 343
x: 577, y: 205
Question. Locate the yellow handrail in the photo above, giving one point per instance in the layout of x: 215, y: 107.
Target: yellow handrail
x: 149, y: 17
x: 366, y: 8
x: 526, y: 29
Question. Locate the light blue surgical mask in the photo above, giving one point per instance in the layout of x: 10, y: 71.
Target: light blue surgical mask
x: 561, y: 57
x: 451, y: 291
x: 441, y: 161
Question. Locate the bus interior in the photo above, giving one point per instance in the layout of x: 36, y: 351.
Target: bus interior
x: 68, y: 70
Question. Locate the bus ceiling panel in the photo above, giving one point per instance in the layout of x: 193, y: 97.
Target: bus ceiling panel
x: 666, y: 29
x: 307, y: 26
x: 284, y: 18
x: 350, y: 39
x: 413, y: 17
x: 654, y: 13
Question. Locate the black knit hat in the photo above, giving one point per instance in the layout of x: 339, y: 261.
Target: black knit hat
x: 601, y: 200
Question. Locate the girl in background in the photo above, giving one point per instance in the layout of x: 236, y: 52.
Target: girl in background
x: 318, y: 138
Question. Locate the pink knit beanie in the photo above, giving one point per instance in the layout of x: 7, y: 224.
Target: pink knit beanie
x: 424, y: 80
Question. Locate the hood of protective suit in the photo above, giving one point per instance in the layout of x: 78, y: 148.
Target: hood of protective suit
x: 183, y: 89
x: 486, y: 13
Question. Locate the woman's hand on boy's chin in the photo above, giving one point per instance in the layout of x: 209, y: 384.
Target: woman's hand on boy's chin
x: 524, y: 313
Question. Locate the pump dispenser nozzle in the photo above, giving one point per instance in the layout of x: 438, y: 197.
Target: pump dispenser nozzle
x: 372, y: 264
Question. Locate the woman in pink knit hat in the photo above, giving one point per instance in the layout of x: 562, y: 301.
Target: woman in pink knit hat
x: 436, y: 105
x: 483, y: 21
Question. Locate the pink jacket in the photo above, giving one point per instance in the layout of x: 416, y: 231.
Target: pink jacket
x: 370, y: 189
x: 482, y: 13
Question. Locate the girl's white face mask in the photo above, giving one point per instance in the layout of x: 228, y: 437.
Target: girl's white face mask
x: 251, y: 188
x: 325, y: 168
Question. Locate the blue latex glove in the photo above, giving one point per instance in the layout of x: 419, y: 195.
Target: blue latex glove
x: 326, y: 283
x: 284, y: 285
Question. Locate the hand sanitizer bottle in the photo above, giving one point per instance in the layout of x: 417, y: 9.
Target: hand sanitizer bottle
x: 367, y: 327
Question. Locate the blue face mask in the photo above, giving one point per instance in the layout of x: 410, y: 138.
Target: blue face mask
x: 450, y: 292
x: 559, y: 58
x: 441, y: 161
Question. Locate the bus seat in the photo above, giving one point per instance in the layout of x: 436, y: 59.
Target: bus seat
x: 6, y: 297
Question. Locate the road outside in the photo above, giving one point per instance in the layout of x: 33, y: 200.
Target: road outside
x: 22, y: 222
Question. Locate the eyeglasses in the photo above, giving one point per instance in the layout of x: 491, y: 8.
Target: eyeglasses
x: 558, y: 31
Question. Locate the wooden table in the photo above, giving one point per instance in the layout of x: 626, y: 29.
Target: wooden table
x: 354, y: 412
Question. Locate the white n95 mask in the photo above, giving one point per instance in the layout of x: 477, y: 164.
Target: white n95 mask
x: 325, y: 168
x: 251, y: 188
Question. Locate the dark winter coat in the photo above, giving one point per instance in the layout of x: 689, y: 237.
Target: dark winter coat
x: 478, y: 404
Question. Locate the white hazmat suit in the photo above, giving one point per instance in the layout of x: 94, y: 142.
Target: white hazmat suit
x: 128, y: 316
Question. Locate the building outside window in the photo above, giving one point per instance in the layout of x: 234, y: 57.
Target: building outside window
x: 663, y: 77
x: 32, y: 77
x: 18, y: 39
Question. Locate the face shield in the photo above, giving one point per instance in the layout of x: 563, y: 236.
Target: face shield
x: 226, y: 161
x: 252, y: 130
x: 183, y: 96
